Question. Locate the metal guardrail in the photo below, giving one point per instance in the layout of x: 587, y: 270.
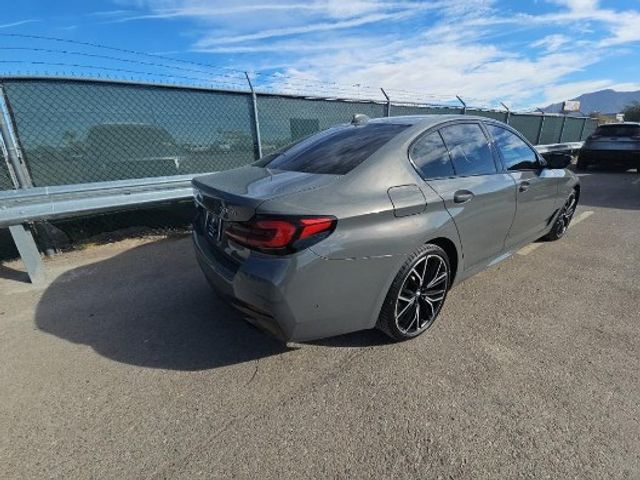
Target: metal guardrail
x: 19, y: 207
x: 568, y: 147
x: 51, y: 203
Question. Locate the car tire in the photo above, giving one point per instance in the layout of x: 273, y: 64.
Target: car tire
x: 417, y: 294
x: 561, y: 225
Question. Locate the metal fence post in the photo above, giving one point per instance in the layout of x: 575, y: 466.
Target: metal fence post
x: 21, y: 234
x: 17, y: 168
x: 564, y: 122
x: 257, y: 142
x: 539, y: 138
x: 388, y: 107
x: 5, y: 157
x: 584, y: 124
x: 507, y: 116
x: 464, y: 105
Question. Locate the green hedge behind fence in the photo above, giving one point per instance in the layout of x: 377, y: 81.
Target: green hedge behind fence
x: 76, y: 131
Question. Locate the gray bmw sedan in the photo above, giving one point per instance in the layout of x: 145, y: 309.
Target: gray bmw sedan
x: 370, y: 224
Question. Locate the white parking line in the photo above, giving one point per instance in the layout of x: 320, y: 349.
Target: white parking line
x: 636, y: 181
x: 534, y: 246
x: 581, y: 217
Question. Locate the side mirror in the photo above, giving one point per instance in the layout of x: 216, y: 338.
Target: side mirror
x: 558, y: 160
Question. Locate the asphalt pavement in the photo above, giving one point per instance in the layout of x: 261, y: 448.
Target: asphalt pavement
x: 125, y: 365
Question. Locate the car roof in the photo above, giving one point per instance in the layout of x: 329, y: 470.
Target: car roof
x: 428, y: 120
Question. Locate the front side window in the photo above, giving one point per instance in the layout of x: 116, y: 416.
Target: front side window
x: 431, y: 157
x: 516, y: 154
x: 335, y: 151
x: 469, y: 149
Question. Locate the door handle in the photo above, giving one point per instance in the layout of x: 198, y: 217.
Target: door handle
x: 462, y: 196
x: 524, y: 186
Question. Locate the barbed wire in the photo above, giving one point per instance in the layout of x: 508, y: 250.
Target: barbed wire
x: 118, y: 59
x: 121, y: 70
x: 299, y: 81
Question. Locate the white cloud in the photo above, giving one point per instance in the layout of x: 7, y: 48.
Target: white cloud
x: 18, y: 23
x: 427, y: 50
x: 625, y: 87
x: 552, y: 43
x: 310, y: 28
x: 568, y: 91
x: 622, y: 26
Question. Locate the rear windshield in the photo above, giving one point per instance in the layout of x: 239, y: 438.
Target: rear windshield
x: 617, y: 130
x: 335, y: 151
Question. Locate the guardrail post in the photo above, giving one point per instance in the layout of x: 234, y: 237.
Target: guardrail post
x: 257, y: 142
x: 464, y: 105
x: 584, y: 124
x: 21, y: 234
x: 539, y: 138
x: 507, y: 116
x: 387, y: 112
x: 564, y: 122
x: 28, y: 251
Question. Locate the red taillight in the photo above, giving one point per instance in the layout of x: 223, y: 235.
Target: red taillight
x: 313, y: 226
x: 279, y: 234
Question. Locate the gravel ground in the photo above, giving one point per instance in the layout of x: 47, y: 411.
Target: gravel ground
x: 126, y: 366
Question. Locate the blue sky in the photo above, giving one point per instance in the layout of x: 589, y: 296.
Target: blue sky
x: 524, y: 53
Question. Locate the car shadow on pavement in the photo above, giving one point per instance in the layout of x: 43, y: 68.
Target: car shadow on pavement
x: 363, y: 338
x: 150, y: 306
x: 610, y: 188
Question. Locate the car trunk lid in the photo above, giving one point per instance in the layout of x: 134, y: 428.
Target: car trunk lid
x: 242, y: 190
x: 236, y: 195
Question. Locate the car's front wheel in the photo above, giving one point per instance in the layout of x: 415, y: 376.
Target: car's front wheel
x: 565, y: 216
x: 417, y: 294
x: 582, y: 164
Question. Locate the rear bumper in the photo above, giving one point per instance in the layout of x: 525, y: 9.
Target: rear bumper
x: 302, y: 296
x: 611, y: 157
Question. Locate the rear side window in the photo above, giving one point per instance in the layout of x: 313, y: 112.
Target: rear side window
x: 336, y: 151
x: 516, y: 154
x: 431, y: 157
x: 469, y: 149
x: 617, y: 131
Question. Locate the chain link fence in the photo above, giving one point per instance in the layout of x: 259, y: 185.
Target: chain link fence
x: 5, y: 178
x: 78, y: 131
x: 284, y: 119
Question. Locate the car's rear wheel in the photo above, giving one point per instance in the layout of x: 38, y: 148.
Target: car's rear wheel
x: 417, y: 294
x: 565, y: 216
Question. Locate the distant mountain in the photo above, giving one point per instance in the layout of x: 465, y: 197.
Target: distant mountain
x: 603, y: 101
